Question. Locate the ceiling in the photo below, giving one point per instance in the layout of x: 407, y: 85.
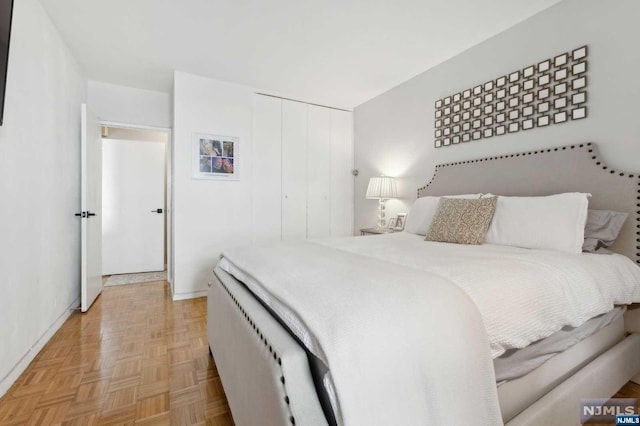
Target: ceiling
x: 334, y: 52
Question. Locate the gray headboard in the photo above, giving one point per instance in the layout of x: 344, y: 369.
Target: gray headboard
x: 573, y: 168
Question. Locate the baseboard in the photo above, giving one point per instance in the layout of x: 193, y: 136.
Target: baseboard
x: 192, y: 295
x: 8, y: 380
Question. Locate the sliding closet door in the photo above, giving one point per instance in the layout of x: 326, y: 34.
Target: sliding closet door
x: 267, y: 164
x: 319, y: 172
x: 294, y: 170
x: 342, y: 180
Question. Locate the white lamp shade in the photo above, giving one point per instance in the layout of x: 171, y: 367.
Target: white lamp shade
x: 382, y: 187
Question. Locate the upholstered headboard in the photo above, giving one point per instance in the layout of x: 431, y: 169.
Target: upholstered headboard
x: 573, y: 168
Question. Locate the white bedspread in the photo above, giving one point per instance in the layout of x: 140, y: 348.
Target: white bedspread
x: 403, y: 346
x: 523, y: 295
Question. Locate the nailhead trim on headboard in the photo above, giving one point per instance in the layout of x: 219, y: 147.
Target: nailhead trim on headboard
x: 586, y: 146
x: 263, y: 339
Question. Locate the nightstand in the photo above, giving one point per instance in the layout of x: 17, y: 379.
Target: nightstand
x: 377, y: 231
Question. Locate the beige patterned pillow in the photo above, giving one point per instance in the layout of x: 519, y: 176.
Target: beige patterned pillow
x: 462, y: 221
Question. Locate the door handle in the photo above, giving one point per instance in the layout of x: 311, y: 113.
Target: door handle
x: 81, y: 214
x: 159, y: 211
x: 89, y: 214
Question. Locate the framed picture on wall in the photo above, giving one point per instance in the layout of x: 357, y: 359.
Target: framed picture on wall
x: 215, y: 157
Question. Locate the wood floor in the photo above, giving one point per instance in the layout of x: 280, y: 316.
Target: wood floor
x: 135, y: 358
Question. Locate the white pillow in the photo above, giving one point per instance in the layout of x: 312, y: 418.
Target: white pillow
x: 423, y: 211
x: 555, y: 222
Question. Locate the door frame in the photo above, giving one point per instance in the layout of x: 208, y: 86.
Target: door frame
x: 169, y: 235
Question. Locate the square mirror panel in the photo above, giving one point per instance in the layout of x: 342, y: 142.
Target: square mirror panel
x: 579, y: 113
x: 579, y: 83
x: 579, y: 98
x: 529, y: 71
x: 543, y: 120
x: 560, y: 60
x: 560, y: 74
x: 544, y: 66
x: 560, y: 117
x: 527, y: 124
x: 543, y: 107
x: 580, y: 53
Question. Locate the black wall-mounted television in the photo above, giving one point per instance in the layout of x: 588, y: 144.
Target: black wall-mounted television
x: 6, y: 11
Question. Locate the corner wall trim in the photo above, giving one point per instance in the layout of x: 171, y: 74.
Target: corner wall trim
x: 7, y: 381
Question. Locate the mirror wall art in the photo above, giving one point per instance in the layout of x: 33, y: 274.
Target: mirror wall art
x: 551, y: 91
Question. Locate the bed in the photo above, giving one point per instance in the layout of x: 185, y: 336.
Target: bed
x: 256, y: 341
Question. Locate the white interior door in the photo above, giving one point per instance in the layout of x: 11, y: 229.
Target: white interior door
x: 133, y: 206
x: 294, y: 170
x: 319, y: 172
x: 91, y: 209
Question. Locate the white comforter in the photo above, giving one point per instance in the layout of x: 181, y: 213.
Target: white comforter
x: 403, y: 344
x: 523, y: 295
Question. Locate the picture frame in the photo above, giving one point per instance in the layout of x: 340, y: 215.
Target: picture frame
x: 400, y: 220
x: 391, y: 223
x: 215, y: 157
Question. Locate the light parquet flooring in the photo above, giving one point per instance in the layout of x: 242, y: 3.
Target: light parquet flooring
x: 135, y: 358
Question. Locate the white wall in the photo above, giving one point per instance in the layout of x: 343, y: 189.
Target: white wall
x: 209, y: 215
x: 39, y: 188
x: 394, y: 132
x: 127, y: 105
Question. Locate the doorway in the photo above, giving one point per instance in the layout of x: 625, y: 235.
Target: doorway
x: 136, y: 223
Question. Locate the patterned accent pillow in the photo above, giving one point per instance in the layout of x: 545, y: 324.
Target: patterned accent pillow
x: 462, y: 221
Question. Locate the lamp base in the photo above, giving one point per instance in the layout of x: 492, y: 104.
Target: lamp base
x: 381, y: 214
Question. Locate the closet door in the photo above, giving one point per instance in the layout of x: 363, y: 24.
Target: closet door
x: 319, y: 172
x: 342, y: 180
x: 267, y: 164
x: 294, y: 170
